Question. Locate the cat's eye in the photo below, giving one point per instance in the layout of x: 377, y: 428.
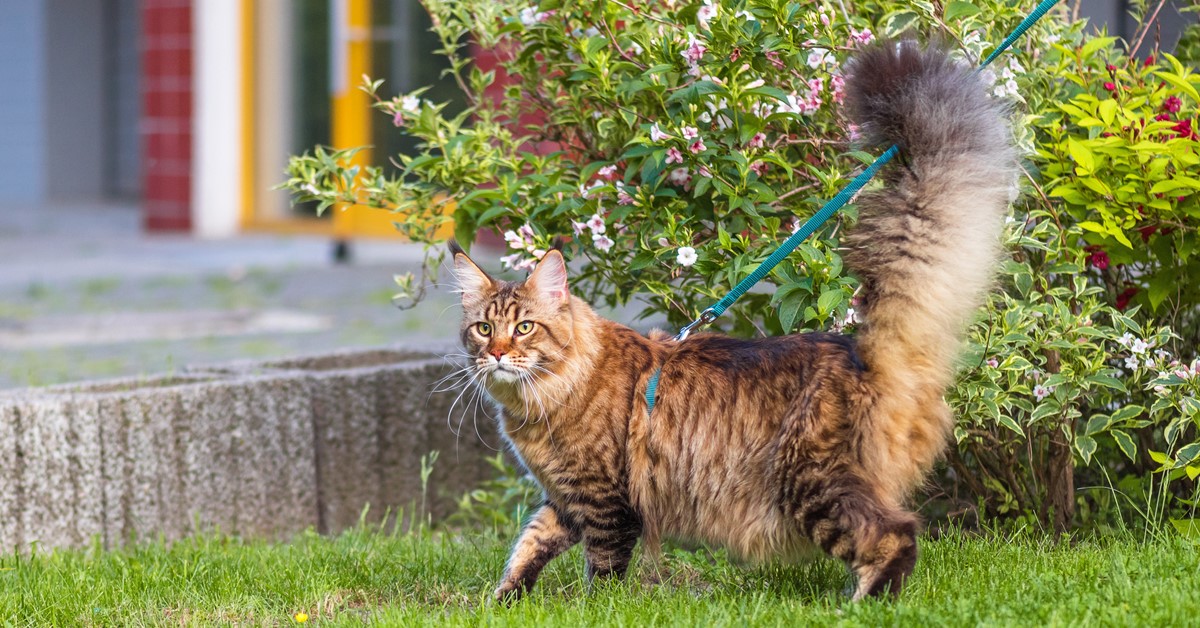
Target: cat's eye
x: 484, y: 329
x: 524, y: 327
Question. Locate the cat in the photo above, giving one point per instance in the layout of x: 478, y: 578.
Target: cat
x: 770, y: 446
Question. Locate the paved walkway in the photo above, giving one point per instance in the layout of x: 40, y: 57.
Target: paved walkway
x: 84, y: 294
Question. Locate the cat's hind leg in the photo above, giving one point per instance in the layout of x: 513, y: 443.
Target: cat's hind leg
x: 824, y: 490
x: 547, y: 535
x: 839, y: 513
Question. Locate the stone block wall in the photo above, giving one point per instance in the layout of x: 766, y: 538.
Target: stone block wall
x: 263, y: 449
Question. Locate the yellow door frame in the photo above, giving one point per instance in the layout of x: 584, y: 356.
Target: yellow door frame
x: 351, y: 126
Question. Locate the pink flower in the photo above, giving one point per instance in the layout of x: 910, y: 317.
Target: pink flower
x: 815, y: 85
x: 773, y: 57
x: 759, y: 167
x: 656, y: 134
x: 993, y: 362
x: 1172, y: 104
x: 607, y: 172
x: 694, y: 52
x: 824, y: 17
x: 1110, y: 86
x: 706, y: 13
x: 578, y: 227
x: 596, y: 224
x: 526, y: 233
x: 664, y: 242
x: 1041, y: 392
x: 854, y: 134
x: 690, y: 132
x: 863, y: 37
x: 679, y: 176
x: 757, y: 141
x: 398, y: 118
x: 705, y: 172
x: 602, y: 242
x: 838, y: 85
x: 674, y: 156
x: 623, y: 197
x: 697, y: 146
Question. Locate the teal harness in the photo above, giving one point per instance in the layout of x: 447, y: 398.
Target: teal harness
x: 812, y: 224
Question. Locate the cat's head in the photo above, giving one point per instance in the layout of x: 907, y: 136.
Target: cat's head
x: 514, y: 330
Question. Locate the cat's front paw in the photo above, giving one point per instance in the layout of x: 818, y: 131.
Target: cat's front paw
x: 509, y: 592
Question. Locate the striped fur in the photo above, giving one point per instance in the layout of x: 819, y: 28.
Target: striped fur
x: 773, y: 446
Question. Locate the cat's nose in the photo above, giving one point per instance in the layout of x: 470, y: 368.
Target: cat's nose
x: 496, y: 354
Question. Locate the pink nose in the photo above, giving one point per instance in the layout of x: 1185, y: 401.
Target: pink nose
x: 497, y: 354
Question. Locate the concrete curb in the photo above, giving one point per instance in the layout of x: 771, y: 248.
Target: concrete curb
x: 263, y: 449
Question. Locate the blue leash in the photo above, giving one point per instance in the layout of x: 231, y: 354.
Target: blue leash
x: 812, y: 224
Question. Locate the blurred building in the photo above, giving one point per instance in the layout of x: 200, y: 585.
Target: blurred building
x: 189, y: 108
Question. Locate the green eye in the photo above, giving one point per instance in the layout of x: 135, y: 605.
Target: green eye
x: 484, y: 329
x: 524, y: 327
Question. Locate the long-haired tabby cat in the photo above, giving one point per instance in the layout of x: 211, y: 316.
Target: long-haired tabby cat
x: 765, y: 446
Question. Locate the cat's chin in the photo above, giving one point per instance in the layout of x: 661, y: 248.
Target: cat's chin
x: 504, y: 376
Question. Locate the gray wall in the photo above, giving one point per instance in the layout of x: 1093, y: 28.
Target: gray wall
x: 75, y: 102
x: 22, y: 73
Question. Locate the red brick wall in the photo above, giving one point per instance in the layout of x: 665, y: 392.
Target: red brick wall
x: 167, y: 114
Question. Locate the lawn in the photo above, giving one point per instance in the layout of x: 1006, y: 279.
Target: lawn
x: 444, y: 579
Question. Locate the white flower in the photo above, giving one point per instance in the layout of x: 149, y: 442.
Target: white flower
x: 510, y: 261
x: 411, y: 104
x: 707, y: 12
x: 607, y: 171
x: 972, y: 38
x: 596, y: 224
x: 602, y: 242
x: 514, y: 239
x: 1041, y: 392
x: 663, y: 242
x: 1149, y: 363
x: 1126, y: 339
x: 819, y: 57
x: 1132, y: 363
x: 578, y: 227
x: 686, y: 256
x: 539, y: 253
x: 311, y: 189
x: 656, y: 134
x: 636, y: 48
x: 748, y: 15
x: 690, y: 132
x: 755, y: 84
x: 1139, y: 346
x: 679, y: 176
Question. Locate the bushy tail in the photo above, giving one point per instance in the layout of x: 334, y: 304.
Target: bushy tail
x: 926, y: 243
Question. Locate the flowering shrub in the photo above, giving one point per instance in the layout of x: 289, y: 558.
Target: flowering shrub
x: 676, y: 145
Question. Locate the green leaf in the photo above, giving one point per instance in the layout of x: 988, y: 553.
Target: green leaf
x: 957, y: 9
x: 1178, y: 82
x: 1085, y: 446
x: 1108, y: 111
x: 1125, y: 413
x: 828, y: 300
x: 1007, y: 421
x: 1082, y: 155
x: 1187, y: 454
x: 789, y: 310
x: 1125, y: 443
x: 1188, y: 528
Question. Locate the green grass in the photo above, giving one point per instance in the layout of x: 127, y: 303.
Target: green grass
x: 445, y: 579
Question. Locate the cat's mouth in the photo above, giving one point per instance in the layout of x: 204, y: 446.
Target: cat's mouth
x: 503, y: 371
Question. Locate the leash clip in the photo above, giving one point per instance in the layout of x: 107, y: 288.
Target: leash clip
x: 706, y: 317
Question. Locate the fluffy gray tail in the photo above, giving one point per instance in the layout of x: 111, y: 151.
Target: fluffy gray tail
x: 926, y: 243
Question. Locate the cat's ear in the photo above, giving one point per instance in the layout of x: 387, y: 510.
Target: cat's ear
x: 549, y: 278
x: 472, y: 281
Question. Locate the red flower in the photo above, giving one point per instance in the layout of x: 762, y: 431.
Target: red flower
x: 1172, y: 104
x: 1147, y: 231
x: 1184, y: 129
x: 1124, y: 297
x: 1110, y: 86
x: 1150, y: 60
x: 1110, y: 67
x: 1162, y: 117
x: 1098, y: 259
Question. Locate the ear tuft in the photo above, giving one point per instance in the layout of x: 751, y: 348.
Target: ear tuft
x: 549, y: 278
x: 472, y: 281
